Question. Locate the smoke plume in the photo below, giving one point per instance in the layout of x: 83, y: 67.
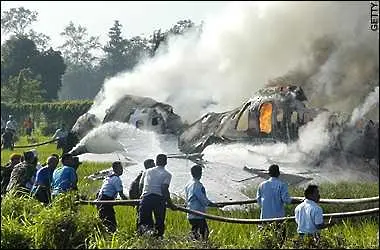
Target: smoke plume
x: 363, y: 109
x: 325, y: 47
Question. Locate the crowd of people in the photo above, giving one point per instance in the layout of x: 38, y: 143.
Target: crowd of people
x: 10, y: 128
x: 152, y: 187
x: 23, y: 174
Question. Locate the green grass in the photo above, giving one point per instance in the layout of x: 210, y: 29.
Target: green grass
x: 44, y: 151
x: 28, y: 224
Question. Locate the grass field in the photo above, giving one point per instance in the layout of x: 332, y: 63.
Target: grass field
x: 25, y: 223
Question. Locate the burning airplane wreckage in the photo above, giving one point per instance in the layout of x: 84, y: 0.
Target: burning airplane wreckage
x: 273, y: 114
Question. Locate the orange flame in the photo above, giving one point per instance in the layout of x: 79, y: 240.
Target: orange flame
x: 266, y: 118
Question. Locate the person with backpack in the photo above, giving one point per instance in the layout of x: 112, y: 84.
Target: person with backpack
x: 111, y: 187
x: 135, y: 189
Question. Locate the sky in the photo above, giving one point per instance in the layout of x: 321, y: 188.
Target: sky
x: 137, y: 17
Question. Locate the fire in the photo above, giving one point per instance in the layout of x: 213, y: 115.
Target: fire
x: 266, y: 118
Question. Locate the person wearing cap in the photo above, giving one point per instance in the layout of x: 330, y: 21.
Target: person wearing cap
x: 272, y: 195
x: 155, y: 197
x: 41, y: 187
x: 7, y: 170
x: 309, y: 215
x: 64, y: 177
x: 196, y: 199
x: 111, y: 187
x: 23, y: 173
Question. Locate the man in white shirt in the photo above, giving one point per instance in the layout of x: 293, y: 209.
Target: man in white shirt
x: 11, y: 123
x: 155, y: 195
x: 309, y: 215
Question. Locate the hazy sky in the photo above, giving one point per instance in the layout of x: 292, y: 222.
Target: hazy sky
x: 137, y: 18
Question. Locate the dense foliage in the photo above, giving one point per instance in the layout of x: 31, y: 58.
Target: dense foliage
x: 79, y: 66
x: 54, y: 113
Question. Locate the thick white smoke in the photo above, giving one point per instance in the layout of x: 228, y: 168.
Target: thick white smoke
x: 360, y: 111
x: 244, y: 48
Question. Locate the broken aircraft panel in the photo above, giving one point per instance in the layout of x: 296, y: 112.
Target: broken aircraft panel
x: 275, y: 114
x: 142, y: 112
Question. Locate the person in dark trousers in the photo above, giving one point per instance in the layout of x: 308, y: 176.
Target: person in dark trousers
x: 112, y: 186
x: 196, y: 199
x: 41, y: 188
x: 135, y: 189
x: 7, y: 139
x: 155, y: 197
x: 149, y: 163
x: 7, y: 171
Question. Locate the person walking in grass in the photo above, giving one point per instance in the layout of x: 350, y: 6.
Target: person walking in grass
x: 155, y: 197
x: 196, y: 199
x: 111, y: 187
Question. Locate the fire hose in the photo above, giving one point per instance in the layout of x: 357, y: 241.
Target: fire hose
x: 261, y: 221
x: 256, y: 221
x: 35, y: 145
x: 227, y: 203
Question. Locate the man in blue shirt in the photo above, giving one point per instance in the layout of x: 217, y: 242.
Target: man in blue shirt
x: 41, y: 187
x: 65, y: 177
x: 112, y: 186
x: 309, y: 215
x: 272, y: 194
x: 196, y: 199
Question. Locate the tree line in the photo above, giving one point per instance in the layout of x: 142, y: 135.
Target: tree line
x: 32, y: 71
